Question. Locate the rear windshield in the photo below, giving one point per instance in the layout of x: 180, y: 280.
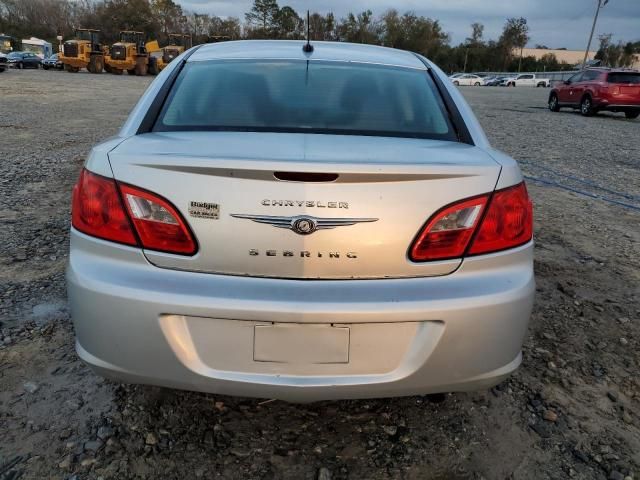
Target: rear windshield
x: 624, y: 77
x: 308, y: 97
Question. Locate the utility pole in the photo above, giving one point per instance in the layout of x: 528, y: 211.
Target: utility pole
x: 601, y: 3
x: 520, y: 61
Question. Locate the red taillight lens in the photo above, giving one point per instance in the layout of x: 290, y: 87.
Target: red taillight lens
x: 97, y: 209
x: 157, y: 222
x: 508, y: 222
x: 475, y: 226
x: 447, y: 233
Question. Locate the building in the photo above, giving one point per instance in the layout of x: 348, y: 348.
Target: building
x: 572, y: 57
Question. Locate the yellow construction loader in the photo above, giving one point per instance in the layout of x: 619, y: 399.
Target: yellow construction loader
x: 83, y: 51
x: 131, y: 53
x: 178, y: 43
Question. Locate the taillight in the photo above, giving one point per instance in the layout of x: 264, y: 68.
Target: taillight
x: 480, y: 225
x: 157, y: 222
x: 97, y: 209
x: 145, y: 219
x: 508, y: 222
x: 447, y: 233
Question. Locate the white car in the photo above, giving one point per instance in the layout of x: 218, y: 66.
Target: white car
x: 303, y: 222
x: 467, y: 79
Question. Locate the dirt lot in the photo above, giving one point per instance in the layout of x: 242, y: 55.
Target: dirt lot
x: 571, y: 411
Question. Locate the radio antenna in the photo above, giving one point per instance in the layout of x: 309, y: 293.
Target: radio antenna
x: 308, y: 48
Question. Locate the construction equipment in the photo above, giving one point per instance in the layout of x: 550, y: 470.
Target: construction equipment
x: 131, y: 53
x: 84, y: 51
x: 178, y: 43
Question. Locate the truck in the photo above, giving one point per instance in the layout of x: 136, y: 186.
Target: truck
x: 130, y: 53
x: 83, y: 51
x: 161, y: 57
x: 527, y: 80
x: 41, y: 48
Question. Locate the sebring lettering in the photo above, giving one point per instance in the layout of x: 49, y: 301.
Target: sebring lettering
x: 304, y: 203
x: 254, y: 252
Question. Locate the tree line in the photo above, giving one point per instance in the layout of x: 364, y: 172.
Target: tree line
x: 266, y: 19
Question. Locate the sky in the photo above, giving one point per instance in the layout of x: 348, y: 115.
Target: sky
x: 554, y: 23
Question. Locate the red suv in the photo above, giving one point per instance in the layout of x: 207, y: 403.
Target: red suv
x: 596, y: 89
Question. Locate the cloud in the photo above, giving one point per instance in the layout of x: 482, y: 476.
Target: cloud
x: 555, y: 23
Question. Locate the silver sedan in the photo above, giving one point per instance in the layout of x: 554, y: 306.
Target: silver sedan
x: 303, y: 224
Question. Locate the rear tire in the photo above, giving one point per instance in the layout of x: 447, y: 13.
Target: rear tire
x: 153, y: 66
x: 477, y: 84
x: 96, y: 64
x: 436, y: 397
x: 457, y: 84
x: 141, y: 66
x: 116, y: 71
x: 631, y: 115
x: 554, y: 106
x: 586, y: 106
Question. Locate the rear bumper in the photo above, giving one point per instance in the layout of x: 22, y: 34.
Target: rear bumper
x: 617, y: 103
x: 619, y: 107
x: 138, y: 323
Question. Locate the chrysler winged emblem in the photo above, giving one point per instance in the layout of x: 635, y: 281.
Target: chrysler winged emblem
x: 304, y: 224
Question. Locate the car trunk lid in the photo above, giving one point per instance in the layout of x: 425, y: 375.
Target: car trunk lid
x: 303, y: 205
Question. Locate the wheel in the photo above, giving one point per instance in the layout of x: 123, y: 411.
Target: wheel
x: 132, y: 71
x: 153, y: 66
x: 116, y: 71
x: 586, y: 106
x: 631, y: 115
x: 71, y: 69
x: 512, y: 84
x: 45, y: 67
x: 141, y: 67
x: 20, y: 65
x: 554, y: 106
x: 477, y: 84
x: 456, y: 83
x: 96, y: 64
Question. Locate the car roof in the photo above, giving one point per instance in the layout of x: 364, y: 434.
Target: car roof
x: 292, y: 49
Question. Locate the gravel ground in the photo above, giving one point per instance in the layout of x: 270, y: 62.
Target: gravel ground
x: 571, y: 411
